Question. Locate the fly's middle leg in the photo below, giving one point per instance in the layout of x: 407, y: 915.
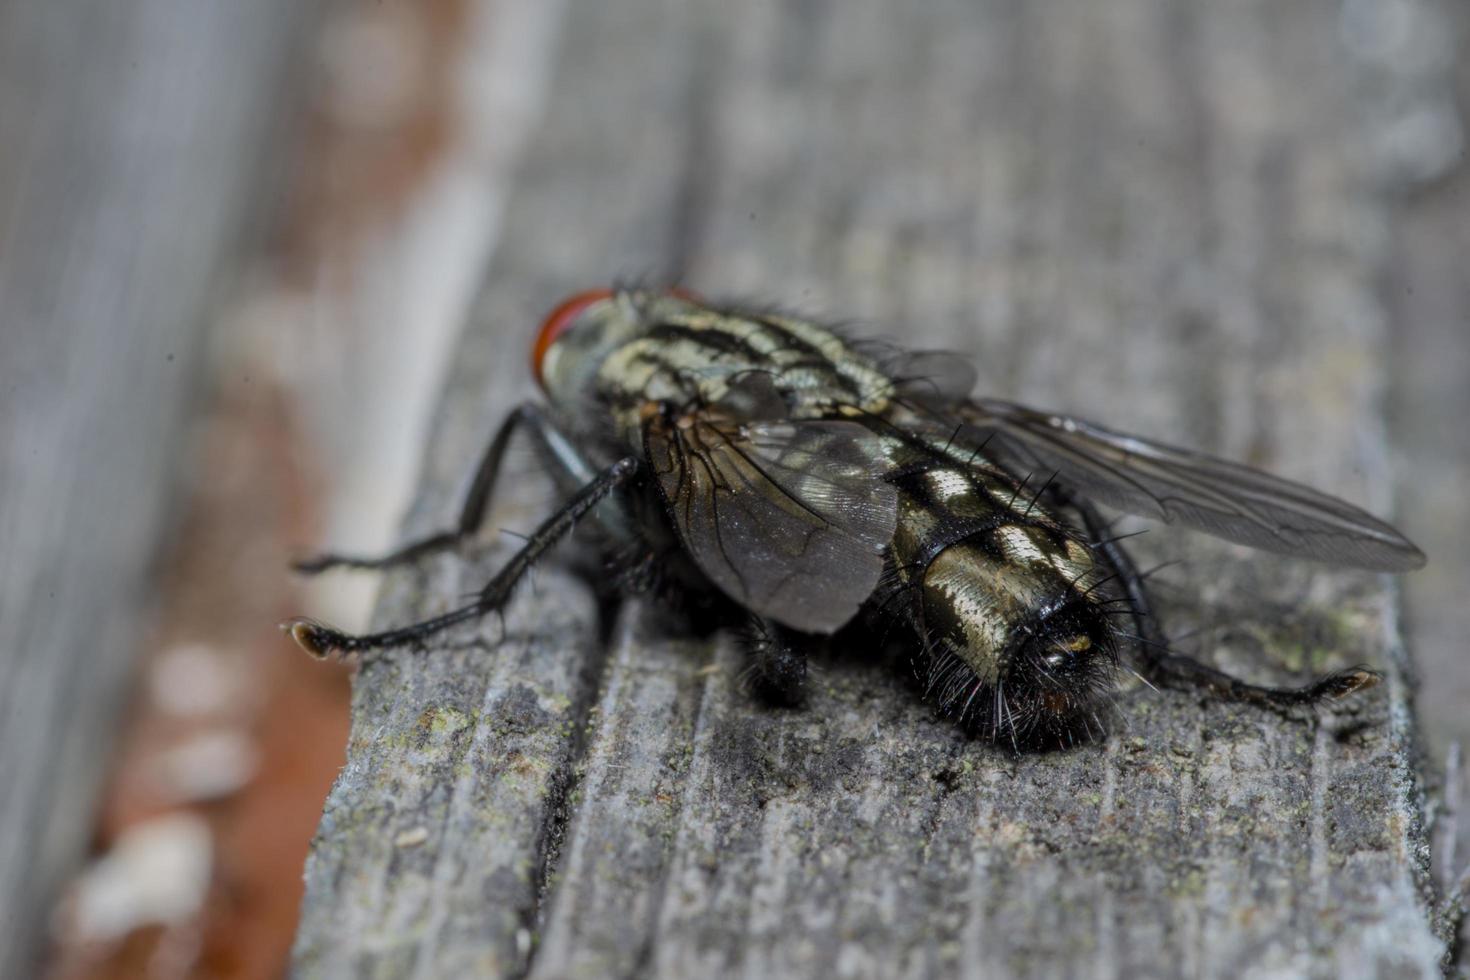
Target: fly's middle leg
x: 777, y: 661
x: 556, y: 448
x: 1165, y: 666
x: 321, y: 640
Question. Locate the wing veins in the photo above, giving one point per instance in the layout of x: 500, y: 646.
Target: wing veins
x: 1226, y: 499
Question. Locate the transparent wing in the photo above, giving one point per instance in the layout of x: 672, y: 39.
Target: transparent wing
x: 789, y: 519
x: 931, y: 378
x: 1149, y: 478
x: 753, y: 395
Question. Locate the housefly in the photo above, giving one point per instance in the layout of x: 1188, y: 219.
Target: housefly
x: 805, y: 481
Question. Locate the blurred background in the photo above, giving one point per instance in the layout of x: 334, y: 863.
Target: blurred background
x: 237, y: 243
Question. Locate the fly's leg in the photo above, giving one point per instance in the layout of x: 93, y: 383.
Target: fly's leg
x: 321, y: 640
x: 777, y: 661
x: 1163, y: 665
x: 477, y: 499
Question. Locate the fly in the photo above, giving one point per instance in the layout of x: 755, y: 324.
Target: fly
x: 771, y: 466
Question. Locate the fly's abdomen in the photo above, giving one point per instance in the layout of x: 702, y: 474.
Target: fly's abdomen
x: 1007, y: 604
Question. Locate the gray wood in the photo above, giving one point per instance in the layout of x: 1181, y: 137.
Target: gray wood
x: 1419, y: 131
x: 1157, y: 212
x: 1429, y: 299
x: 131, y: 138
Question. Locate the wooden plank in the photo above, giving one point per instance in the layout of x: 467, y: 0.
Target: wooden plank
x: 1147, y: 210
x: 131, y: 143
x: 1429, y: 305
x: 1429, y: 299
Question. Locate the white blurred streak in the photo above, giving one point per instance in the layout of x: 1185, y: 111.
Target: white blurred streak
x: 196, y: 680
x: 156, y: 873
x: 388, y: 308
x: 207, y: 766
x: 375, y: 66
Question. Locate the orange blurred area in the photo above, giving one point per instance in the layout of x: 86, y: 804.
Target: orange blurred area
x: 233, y: 736
x: 233, y: 739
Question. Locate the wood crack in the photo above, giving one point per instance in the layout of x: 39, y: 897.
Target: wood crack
x: 558, y: 812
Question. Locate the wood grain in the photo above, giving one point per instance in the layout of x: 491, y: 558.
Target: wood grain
x: 1153, y: 212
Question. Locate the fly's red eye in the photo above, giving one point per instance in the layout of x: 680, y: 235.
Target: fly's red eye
x: 558, y: 320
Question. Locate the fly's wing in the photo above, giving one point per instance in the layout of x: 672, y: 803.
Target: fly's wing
x: 933, y: 379
x: 789, y: 519
x: 1149, y: 478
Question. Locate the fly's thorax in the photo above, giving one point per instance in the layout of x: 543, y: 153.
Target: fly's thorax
x: 743, y: 366
x: 632, y: 348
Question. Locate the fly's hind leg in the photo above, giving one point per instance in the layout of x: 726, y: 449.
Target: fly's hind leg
x: 778, y: 657
x: 321, y: 640
x: 1162, y: 665
x: 477, y: 499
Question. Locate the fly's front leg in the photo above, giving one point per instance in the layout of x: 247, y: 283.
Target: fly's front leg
x: 778, y: 661
x: 321, y: 640
x: 477, y: 499
x: 1163, y: 665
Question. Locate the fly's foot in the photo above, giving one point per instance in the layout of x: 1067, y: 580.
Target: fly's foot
x: 315, y: 637
x: 1343, y: 684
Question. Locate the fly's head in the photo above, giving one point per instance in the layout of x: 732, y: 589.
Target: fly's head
x: 579, y: 334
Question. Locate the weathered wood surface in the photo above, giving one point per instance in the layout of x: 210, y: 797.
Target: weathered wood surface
x: 1429, y: 297
x: 1156, y: 212
x: 131, y: 143
x: 1429, y: 301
